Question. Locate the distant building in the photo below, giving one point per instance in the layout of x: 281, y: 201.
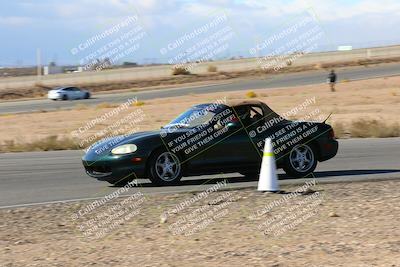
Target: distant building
x: 51, y: 69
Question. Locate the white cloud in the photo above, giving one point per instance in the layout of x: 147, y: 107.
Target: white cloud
x: 347, y: 21
x: 15, y: 21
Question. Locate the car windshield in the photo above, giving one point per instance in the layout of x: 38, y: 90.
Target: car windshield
x: 193, y: 117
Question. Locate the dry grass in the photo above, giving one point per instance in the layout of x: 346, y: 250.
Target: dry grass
x: 373, y: 128
x: 105, y: 105
x: 363, y: 128
x: 138, y: 103
x: 340, y: 130
x: 180, y: 71
x: 48, y: 143
x: 251, y: 94
x: 6, y: 115
x: 212, y: 68
x: 81, y: 107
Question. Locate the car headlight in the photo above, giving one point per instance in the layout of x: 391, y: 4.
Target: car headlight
x: 124, y: 149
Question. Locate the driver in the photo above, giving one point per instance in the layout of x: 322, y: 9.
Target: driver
x: 244, y: 115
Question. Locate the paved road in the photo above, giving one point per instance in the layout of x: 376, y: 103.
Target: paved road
x: 36, y: 177
x: 272, y: 81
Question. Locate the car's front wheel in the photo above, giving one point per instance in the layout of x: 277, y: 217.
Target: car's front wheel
x: 165, y: 168
x: 301, y: 161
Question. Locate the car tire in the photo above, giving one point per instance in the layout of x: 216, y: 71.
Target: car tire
x: 301, y: 161
x: 64, y: 97
x: 164, y: 168
x: 87, y: 95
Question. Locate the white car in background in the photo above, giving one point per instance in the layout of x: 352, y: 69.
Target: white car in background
x: 68, y: 93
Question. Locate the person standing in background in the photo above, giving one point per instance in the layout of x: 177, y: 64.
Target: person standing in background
x: 332, y: 80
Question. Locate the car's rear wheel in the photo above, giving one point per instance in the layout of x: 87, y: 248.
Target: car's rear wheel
x: 87, y: 95
x: 64, y: 97
x: 301, y: 161
x: 165, y: 168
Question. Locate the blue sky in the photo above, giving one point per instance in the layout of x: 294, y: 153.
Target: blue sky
x: 57, y: 26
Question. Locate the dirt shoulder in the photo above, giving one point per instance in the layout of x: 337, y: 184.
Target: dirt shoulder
x: 343, y: 224
x: 40, y: 89
x: 367, y: 108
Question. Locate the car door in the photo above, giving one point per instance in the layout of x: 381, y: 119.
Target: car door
x: 251, y: 117
x: 246, y: 144
x: 268, y: 126
x: 255, y: 120
x: 67, y: 92
x: 76, y: 92
x: 231, y: 149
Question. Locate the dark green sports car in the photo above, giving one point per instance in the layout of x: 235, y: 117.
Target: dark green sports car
x: 212, y: 138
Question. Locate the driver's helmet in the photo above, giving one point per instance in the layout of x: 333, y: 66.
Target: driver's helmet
x: 243, y: 113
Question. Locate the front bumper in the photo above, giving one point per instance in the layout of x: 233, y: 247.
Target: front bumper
x: 113, y: 168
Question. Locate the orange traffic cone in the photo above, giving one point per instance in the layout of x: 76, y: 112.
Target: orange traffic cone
x: 268, y: 178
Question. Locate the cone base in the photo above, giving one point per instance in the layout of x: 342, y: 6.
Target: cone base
x: 271, y: 191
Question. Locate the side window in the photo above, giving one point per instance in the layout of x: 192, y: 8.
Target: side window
x: 244, y: 113
x: 250, y: 115
x: 225, y: 117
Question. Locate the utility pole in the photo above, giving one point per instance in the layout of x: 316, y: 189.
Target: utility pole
x: 39, y: 64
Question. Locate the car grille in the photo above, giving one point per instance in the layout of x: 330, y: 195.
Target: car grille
x: 98, y: 171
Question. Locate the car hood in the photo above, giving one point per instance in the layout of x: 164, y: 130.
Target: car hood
x: 55, y: 91
x: 104, y: 146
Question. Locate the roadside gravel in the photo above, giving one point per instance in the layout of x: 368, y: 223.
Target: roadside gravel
x: 343, y: 224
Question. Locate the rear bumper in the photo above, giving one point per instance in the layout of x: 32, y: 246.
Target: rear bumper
x: 328, y: 148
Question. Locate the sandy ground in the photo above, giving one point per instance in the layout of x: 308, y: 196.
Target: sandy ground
x: 344, y: 224
x: 375, y: 99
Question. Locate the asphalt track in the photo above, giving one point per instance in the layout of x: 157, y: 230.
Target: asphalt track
x: 270, y: 81
x: 35, y: 178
